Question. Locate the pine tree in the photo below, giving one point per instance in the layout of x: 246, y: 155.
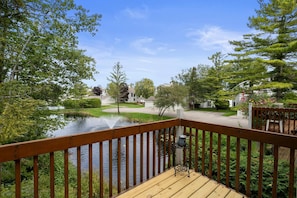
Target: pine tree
x: 271, y: 51
x: 117, y: 78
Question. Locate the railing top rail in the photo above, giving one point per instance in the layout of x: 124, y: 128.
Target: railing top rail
x: 284, y: 140
x: 275, y: 108
x: 20, y: 150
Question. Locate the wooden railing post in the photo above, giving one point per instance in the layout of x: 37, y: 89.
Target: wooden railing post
x: 250, y: 118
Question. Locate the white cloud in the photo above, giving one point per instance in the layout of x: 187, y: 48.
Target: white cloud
x: 137, y: 13
x: 148, y: 46
x: 143, y: 45
x: 117, y: 40
x: 214, y: 38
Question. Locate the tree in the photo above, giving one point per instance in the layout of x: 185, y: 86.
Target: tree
x: 169, y: 96
x: 124, y: 92
x: 144, y: 88
x: 79, y: 90
x: 39, y: 57
x: 49, y: 92
x: 97, y: 91
x: 273, y: 46
x: 40, y: 37
x: 214, y: 82
x: 191, y: 78
x: 116, y: 78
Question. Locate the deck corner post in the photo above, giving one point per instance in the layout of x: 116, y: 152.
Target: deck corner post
x: 250, y: 115
x: 180, y: 130
x: 179, y: 113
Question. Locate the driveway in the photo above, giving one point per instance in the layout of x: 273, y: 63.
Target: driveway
x: 201, y: 116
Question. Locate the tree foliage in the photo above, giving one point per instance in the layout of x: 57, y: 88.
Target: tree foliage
x: 144, y: 88
x: 117, y: 78
x: 39, y: 42
x: 79, y: 90
x: 191, y: 79
x: 169, y: 96
x: 124, y: 92
x: 39, y: 57
x: 205, y: 82
x: 97, y: 91
x: 270, y: 52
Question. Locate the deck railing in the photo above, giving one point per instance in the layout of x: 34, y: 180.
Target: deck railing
x: 108, y: 162
x: 281, y: 120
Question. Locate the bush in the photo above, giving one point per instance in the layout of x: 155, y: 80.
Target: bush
x: 290, y: 99
x: 83, y: 103
x: 222, y: 104
x: 91, y: 103
x: 71, y: 104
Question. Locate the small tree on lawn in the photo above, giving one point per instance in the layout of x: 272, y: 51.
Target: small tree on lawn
x: 116, y: 78
x: 169, y: 96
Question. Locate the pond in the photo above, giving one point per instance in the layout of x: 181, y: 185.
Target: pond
x: 81, y: 125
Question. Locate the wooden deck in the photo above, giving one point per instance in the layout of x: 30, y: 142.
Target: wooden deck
x: 168, y: 185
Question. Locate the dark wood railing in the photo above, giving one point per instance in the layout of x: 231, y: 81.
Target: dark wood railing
x: 244, y: 159
x: 229, y: 155
x: 281, y: 120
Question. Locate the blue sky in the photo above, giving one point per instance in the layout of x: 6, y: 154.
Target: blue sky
x: 157, y: 39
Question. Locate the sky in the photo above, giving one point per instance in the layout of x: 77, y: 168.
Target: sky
x: 158, y: 39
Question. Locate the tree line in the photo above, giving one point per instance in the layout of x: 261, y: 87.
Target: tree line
x: 264, y: 60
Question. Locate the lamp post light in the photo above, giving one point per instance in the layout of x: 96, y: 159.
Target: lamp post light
x: 179, y: 164
x: 182, y: 141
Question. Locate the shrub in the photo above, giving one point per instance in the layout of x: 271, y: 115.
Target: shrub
x: 91, y: 103
x: 83, y: 103
x: 290, y: 99
x: 222, y: 104
x: 71, y: 104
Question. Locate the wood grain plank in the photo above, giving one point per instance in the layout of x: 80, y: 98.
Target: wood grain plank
x: 178, y: 185
x: 220, y: 191
x: 234, y: 194
x: 160, y: 186
x: 191, y: 187
x: 205, y: 190
x: 148, y: 184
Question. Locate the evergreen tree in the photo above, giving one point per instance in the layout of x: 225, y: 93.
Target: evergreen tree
x: 213, y: 83
x: 271, y: 51
x: 191, y: 79
x: 117, y: 78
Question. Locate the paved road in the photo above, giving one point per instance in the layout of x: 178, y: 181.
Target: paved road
x: 209, y: 117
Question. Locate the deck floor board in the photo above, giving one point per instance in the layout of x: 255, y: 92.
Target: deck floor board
x: 168, y: 185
